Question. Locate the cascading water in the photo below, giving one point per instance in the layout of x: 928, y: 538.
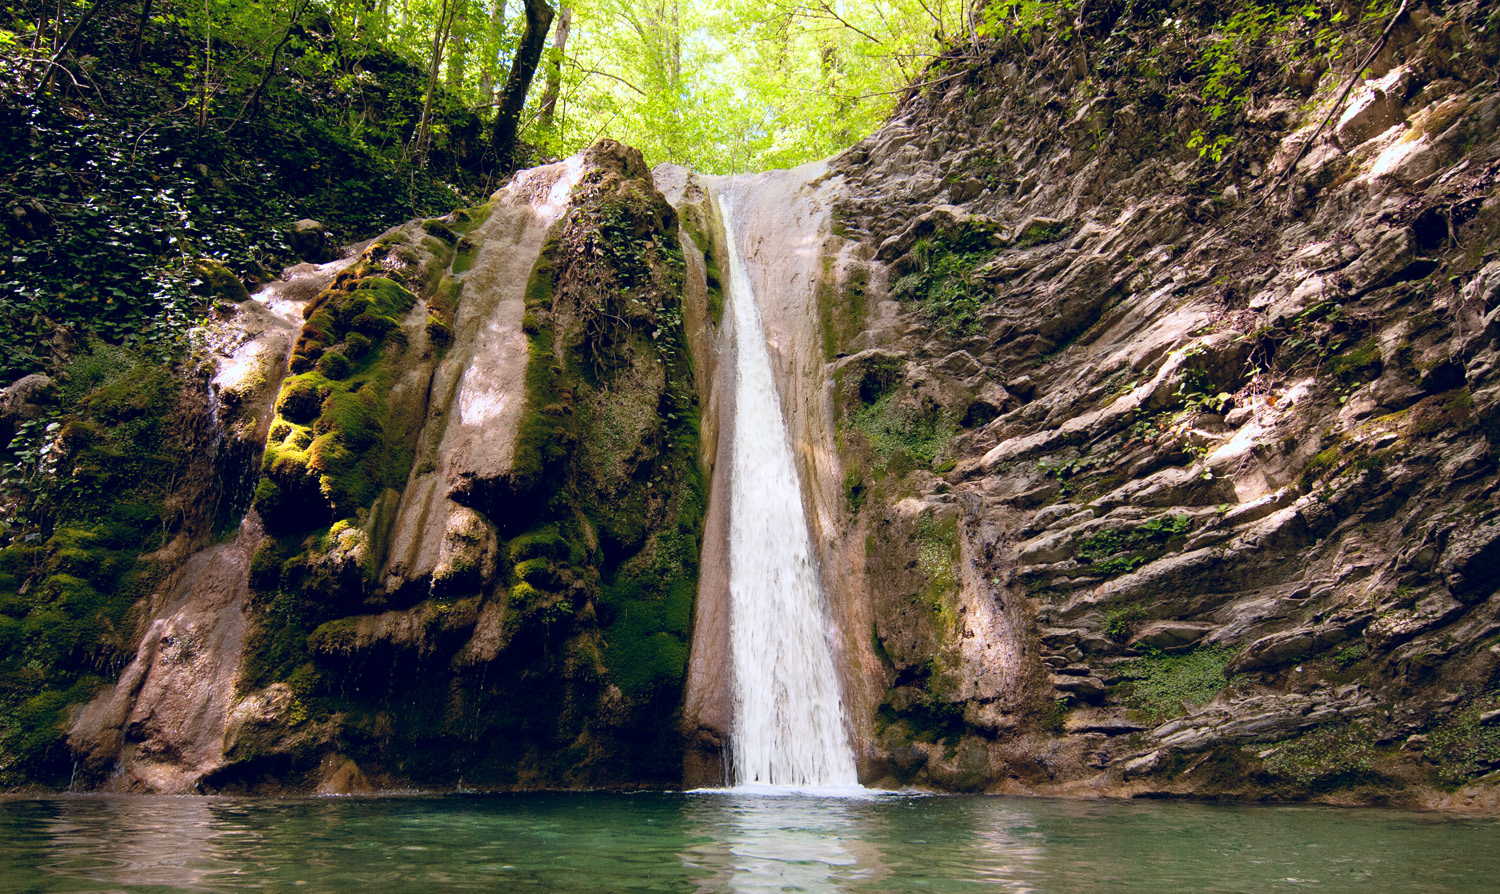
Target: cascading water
x: 789, y: 721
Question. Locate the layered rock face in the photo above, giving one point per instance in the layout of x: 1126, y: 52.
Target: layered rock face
x: 1173, y: 455
x: 471, y: 555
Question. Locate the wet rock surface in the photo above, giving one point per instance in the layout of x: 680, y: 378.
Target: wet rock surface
x: 1223, y: 459
x: 1136, y: 466
x: 480, y: 534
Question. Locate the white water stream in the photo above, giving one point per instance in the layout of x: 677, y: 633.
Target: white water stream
x: 789, y: 725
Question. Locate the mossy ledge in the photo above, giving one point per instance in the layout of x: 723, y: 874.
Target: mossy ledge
x: 101, y: 501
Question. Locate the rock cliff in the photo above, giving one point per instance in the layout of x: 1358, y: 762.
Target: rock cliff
x: 471, y: 553
x: 1170, y: 431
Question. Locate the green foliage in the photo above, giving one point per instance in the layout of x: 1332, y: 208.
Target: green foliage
x: 1324, y: 757
x: 902, y: 438
x: 85, y: 496
x: 732, y: 85
x: 1463, y: 746
x: 1213, y: 148
x: 1158, y: 685
x: 140, y: 198
x: 1350, y: 655
x: 943, y: 284
x: 1022, y: 17
x: 1069, y: 472
x: 1120, y: 623
x: 1235, y: 60
x: 1122, y: 550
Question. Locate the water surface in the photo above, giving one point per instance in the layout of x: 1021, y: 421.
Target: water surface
x: 729, y: 842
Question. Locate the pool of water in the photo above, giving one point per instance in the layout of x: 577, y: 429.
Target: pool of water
x: 729, y: 842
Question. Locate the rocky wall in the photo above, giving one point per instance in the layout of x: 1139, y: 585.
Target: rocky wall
x: 1174, y: 456
x: 471, y: 557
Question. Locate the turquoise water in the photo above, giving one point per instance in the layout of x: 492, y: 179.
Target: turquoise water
x: 726, y: 842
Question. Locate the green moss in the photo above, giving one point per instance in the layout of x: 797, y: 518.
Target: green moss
x: 544, y: 440
x: 277, y: 643
x: 214, y: 281
x: 333, y: 365
x: 1158, y: 685
x: 1463, y: 747
x: 585, y: 609
x: 300, y: 400
x: 71, y: 575
x: 913, y: 714
x: 1454, y: 415
x: 646, y: 627
x: 1356, y: 366
x: 538, y: 572
x: 539, y: 285
x: 437, y: 228
x: 349, y: 457
x: 842, y: 309
x: 540, y: 543
x: 902, y: 438
x: 1331, y: 756
x: 937, y: 557
x: 715, y: 286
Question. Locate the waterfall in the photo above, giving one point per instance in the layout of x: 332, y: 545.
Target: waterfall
x: 789, y: 721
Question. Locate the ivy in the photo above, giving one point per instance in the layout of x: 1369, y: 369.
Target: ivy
x: 944, y: 284
x: 1161, y: 685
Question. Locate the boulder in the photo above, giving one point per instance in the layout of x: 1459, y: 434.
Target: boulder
x: 1170, y: 635
x: 1371, y: 113
x: 310, y: 241
x: 28, y: 398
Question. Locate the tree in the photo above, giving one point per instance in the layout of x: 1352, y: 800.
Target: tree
x: 442, y: 30
x: 522, y: 69
x: 554, y: 68
x: 494, y: 39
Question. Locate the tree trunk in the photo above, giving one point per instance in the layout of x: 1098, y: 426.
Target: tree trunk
x: 522, y: 70
x: 45, y: 79
x: 136, y: 48
x: 270, y: 69
x: 440, y: 32
x: 554, y: 66
x: 491, y: 54
x: 458, y: 47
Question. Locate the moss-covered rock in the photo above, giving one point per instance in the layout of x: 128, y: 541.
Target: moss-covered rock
x: 95, y: 493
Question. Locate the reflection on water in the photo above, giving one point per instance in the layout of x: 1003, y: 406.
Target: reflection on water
x: 777, y: 842
x: 729, y: 843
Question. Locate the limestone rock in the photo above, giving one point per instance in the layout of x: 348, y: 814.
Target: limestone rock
x: 1371, y: 112
x: 1170, y: 635
x: 1393, y: 252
